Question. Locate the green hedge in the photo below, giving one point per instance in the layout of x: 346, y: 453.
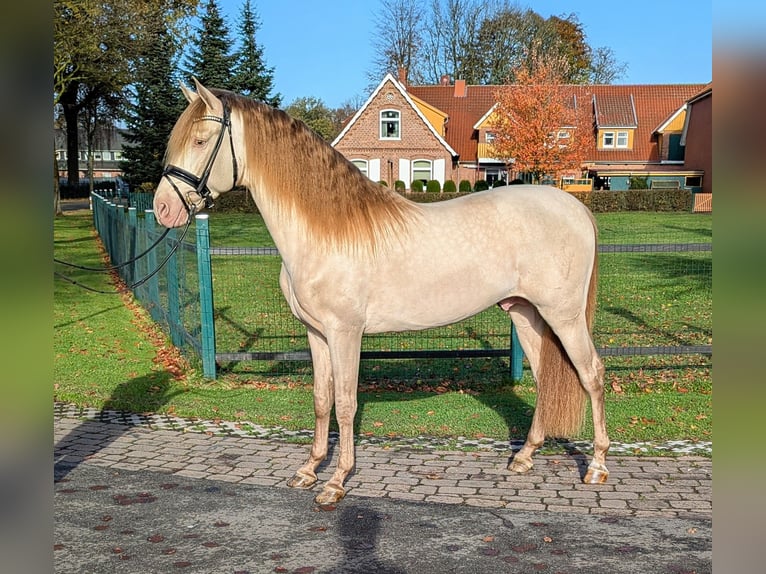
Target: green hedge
x: 465, y: 186
x: 239, y: 201
x: 433, y: 186
x: 637, y: 200
x: 450, y: 187
x: 235, y: 201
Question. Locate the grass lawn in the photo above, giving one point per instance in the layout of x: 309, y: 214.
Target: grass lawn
x: 108, y: 353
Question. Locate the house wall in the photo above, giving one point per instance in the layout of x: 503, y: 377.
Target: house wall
x: 362, y: 141
x: 699, y: 138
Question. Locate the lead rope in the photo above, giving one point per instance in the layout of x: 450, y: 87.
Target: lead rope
x: 115, y: 267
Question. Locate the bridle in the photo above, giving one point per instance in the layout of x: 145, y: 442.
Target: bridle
x: 200, y: 188
x: 199, y: 183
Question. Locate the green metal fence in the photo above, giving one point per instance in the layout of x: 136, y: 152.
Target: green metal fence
x: 223, y: 304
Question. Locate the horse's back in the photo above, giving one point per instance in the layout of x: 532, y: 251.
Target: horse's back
x: 469, y: 253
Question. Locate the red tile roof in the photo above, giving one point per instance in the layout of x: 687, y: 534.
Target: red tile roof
x: 614, y: 110
x: 653, y: 104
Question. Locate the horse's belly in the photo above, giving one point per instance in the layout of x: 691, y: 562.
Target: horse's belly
x: 424, y: 305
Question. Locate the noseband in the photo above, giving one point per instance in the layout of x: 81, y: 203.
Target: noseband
x: 200, y: 183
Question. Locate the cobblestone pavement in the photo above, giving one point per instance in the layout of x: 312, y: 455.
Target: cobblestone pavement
x: 675, y: 486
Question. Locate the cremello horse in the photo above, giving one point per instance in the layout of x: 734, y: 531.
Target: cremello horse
x: 359, y: 258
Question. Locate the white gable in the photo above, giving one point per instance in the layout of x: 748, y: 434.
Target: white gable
x: 390, y: 78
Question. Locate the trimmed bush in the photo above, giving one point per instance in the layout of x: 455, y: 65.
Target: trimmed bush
x: 383, y: 182
x: 465, y: 186
x: 235, y: 201
x: 433, y: 197
x: 449, y: 186
x: 640, y: 200
x: 481, y: 185
x: 433, y: 186
x: 416, y: 186
x: 399, y: 185
x: 498, y: 183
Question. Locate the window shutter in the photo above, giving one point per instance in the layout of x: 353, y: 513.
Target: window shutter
x: 404, y: 171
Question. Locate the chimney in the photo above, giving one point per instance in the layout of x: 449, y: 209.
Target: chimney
x: 460, y: 89
x: 403, y: 76
x: 445, y: 80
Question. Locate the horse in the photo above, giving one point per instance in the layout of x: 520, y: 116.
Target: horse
x: 360, y: 258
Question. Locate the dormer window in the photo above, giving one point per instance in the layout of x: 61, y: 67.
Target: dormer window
x: 618, y: 139
x: 389, y: 125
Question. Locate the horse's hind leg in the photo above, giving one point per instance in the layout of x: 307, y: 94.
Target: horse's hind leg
x: 578, y: 344
x: 305, y: 477
x: 529, y: 328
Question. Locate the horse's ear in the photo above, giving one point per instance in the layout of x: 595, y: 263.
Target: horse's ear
x: 190, y: 96
x: 214, y: 105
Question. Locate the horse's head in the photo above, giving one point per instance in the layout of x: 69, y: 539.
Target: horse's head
x: 199, y: 163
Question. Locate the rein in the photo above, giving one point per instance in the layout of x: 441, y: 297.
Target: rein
x: 132, y: 260
x: 199, y: 183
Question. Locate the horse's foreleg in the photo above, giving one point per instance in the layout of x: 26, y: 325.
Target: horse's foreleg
x: 529, y: 328
x: 345, y: 349
x: 305, y: 477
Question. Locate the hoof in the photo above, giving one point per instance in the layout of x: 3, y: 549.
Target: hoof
x: 597, y: 474
x: 303, y: 481
x: 520, y: 466
x: 330, y: 495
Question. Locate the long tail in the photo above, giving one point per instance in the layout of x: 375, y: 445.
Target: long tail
x: 561, y: 399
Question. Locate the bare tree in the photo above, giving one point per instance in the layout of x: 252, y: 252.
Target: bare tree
x: 399, y: 41
x: 450, y: 40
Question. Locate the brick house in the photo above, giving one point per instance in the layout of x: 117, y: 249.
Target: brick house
x: 396, y: 136
x: 442, y: 132
x: 697, y: 135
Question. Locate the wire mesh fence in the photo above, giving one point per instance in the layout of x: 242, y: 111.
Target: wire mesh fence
x: 654, y: 307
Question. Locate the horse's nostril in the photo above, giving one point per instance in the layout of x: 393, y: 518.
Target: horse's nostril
x: 161, y: 209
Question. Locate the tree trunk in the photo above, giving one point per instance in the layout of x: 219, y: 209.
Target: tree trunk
x: 68, y: 101
x: 56, y: 190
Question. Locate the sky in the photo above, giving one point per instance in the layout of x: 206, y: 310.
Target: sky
x: 325, y: 49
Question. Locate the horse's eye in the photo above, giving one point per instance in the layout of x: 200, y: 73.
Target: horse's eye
x: 199, y: 142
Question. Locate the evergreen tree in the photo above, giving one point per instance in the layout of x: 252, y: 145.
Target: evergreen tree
x: 252, y: 78
x: 152, y: 111
x: 211, y: 60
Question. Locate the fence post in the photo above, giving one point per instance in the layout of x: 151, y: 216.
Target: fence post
x: 130, y: 272
x: 152, y: 286
x: 205, y: 275
x: 517, y: 355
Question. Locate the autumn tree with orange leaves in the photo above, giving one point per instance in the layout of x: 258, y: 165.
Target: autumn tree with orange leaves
x: 541, y: 126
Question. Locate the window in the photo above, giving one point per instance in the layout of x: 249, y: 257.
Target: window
x: 361, y: 164
x: 622, y: 139
x: 693, y: 181
x: 563, y: 134
x: 117, y: 155
x: 607, y: 139
x: 421, y: 169
x: 389, y: 125
x: 489, y: 137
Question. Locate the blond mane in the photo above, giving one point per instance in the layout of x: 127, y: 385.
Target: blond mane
x: 308, y: 179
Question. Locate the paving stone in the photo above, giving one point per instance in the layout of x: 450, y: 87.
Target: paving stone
x: 409, y: 469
